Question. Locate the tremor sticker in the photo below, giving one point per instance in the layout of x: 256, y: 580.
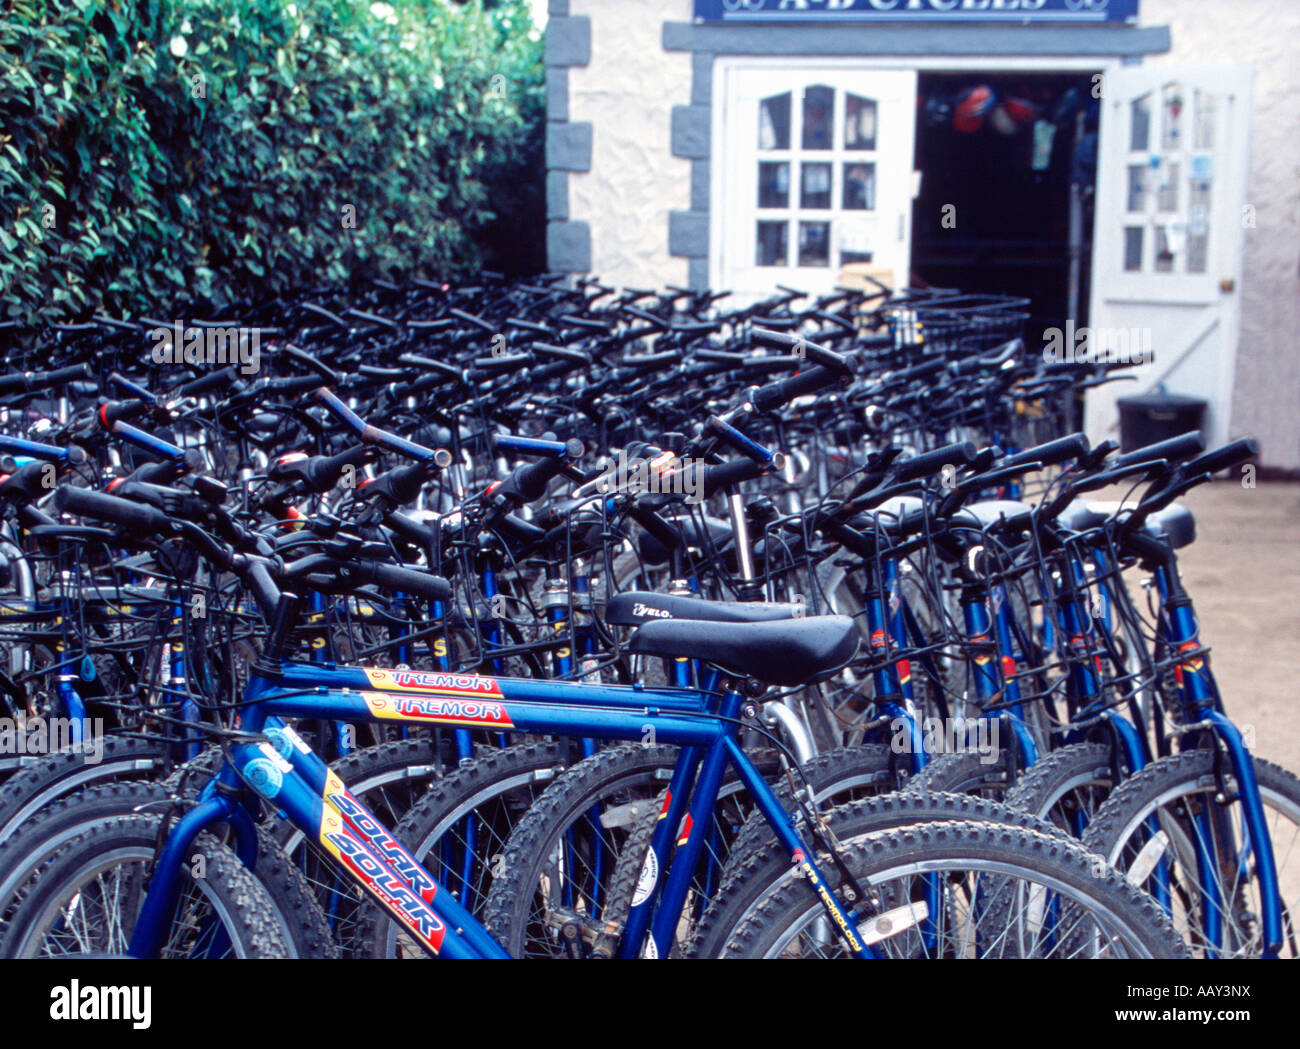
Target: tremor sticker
x: 446, y: 710
x: 432, y: 681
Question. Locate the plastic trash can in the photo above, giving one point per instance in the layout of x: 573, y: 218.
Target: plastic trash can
x: 1157, y: 416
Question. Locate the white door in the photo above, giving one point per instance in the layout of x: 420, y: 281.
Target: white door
x: 816, y: 173
x: 1171, y: 193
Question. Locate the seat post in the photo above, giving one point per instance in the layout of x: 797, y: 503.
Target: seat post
x: 750, y: 589
x: 283, y: 622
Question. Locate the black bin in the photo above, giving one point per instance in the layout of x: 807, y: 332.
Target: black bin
x: 1157, y: 416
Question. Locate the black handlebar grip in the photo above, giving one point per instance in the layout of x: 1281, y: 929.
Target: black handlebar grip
x: 27, y: 481
x: 207, y: 382
x: 651, y: 361
x: 401, y: 484
x: 667, y: 534
x: 429, y: 364
x: 72, y: 371
x: 875, y: 342
x: 431, y: 379
x: 658, y: 323
x: 546, y: 372
x: 775, y: 394
x: 157, y: 473
x: 376, y: 371
x: 324, y: 471
x: 919, y: 371
x: 136, y: 516
x: 327, y: 373
x: 720, y: 356
x: 520, y: 530
x: 113, y: 411
x: 413, y: 531
x: 470, y: 318
x: 771, y: 363
x: 1174, y: 450
x: 730, y: 473
x: 696, y: 327
x: 18, y: 382
x: 1075, y: 446
x: 408, y: 580
x: 529, y: 483
x: 834, y: 318
x: 498, y: 365
x: 1238, y: 451
x: 803, y: 347
x: 928, y: 463
x: 293, y: 384
x: 589, y: 323
x: 560, y: 353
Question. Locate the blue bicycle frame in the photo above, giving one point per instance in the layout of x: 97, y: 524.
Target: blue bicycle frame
x: 1201, y: 701
x: 282, y: 769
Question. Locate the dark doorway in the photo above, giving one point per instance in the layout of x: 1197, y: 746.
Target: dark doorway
x: 998, y: 154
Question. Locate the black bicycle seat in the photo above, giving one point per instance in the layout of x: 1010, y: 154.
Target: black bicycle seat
x: 788, y: 652
x: 1175, y: 522
x: 634, y: 607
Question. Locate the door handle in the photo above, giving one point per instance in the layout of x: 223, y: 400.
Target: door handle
x: 1227, y: 285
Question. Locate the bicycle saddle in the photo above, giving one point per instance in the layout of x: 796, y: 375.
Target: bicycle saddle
x: 1175, y: 522
x: 896, y: 515
x: 989, y: 512
x: 634, y: 607
x: 787, y: 652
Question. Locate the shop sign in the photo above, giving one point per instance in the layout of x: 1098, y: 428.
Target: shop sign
x: 825, y: 11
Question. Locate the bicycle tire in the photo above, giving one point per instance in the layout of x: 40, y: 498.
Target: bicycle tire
x: 1127, y: 920
x: 497, y: 788
x: 1120, y: 830
x: 227, y: 903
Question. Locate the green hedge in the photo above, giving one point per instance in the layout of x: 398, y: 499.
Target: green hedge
x: 212, y: 152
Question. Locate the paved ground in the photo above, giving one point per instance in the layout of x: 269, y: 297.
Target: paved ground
x: 1243, y: 573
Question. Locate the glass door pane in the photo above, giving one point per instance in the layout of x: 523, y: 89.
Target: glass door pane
x: 818, y: 114
x: 774, y: 122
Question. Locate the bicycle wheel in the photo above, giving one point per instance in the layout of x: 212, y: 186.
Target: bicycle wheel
x: 1166, y: 826
x: 86, y: 899
x: 459, y: 829
x: 389, y: 778
x: 761, y: 871
x: 835, y: 779
x: 1067, y: 787
x: 35, y: 786
x: 45, y: 833
x: 560, y: 862
x: 1003, y: 891
x: 967, y: 772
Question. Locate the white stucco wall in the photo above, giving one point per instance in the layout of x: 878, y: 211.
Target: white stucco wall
x: 628, y: 92
x: 1266, y: 397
